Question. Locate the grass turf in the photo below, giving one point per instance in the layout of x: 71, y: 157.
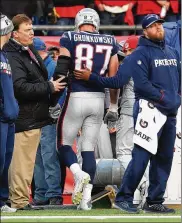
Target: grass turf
x: 95, y: 220
x: 94, y: 212
x: 100, y: 208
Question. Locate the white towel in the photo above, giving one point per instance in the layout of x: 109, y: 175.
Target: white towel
x: 149, y: 122
x: 116, y: 9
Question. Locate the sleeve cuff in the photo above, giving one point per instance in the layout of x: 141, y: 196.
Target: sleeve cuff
x: 51, y: 87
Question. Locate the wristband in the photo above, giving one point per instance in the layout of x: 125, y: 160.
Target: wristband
x: 113, y: 107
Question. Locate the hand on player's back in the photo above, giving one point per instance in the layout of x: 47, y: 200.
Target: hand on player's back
x: 83, y: 74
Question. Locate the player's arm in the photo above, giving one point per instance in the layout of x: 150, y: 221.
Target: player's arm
x: 114, y: 81
x: 112, y: 114
x: 136, y: 65
x: 113, y: 67
x: 121, y: 78
x: 63, y: 65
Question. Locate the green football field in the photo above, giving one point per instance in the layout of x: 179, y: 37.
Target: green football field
x: 95, y: 215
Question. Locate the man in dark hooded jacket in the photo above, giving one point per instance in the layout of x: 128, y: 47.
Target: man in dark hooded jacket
x: 155, y: 69
x: 8, y: 114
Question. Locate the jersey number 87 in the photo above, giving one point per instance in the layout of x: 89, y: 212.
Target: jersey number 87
x: 87, y: 60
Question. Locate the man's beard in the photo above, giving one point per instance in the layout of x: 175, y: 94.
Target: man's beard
x: 158, y: 37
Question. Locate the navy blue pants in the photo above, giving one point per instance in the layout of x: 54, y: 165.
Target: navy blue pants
x: 160, y: 166
x: 7, y: 133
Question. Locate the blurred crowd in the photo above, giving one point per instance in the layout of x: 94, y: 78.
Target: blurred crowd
x: 60, y: 12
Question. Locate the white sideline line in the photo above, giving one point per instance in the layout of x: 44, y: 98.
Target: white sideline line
x: 91, y: 217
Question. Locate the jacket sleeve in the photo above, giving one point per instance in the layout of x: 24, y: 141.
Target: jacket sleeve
x: 25, y: 89
x: 179, y: 71
x: 121, y: 78
x: 137, y: 66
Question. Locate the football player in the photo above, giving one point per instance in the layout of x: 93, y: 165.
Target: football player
x: 84, y: 106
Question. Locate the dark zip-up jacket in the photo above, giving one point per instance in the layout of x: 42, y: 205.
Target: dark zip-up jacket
x: 31, y: 87
x: 155, y: 69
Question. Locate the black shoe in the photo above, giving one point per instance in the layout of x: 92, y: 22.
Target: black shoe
x: 30, y: 207
x: 157, y: 208
x: 56, y: 201
x: 8, y: 203
x: 126, y: 207
x: 39, y: 202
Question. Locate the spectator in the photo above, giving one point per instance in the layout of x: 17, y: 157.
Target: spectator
x: 155, y: 7
x: 115, y: 13
x: 54, y: 52
x: 40, y: 16
x: 173, y: 35
x: 12, y: 8
x: 47, y: 169
x: 65, y: 12
x: 8, y: 114
x: 32, y: 91
x: 172, y: 10
x: 125, y: 125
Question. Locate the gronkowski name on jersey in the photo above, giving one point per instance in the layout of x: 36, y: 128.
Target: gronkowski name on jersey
x: 91, y: 50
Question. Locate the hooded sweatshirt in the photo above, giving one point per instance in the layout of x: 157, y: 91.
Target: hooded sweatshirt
x: 8, y: 104
x: 155, y: 69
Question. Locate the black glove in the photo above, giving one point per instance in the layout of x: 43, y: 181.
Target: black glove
x: 55, y: 111
x: 110, y: 116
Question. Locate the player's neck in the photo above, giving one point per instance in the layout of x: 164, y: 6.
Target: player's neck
x: 2, y: 42
x: 87, y: 28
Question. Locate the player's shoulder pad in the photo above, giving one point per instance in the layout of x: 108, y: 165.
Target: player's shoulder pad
x: 67, y: 34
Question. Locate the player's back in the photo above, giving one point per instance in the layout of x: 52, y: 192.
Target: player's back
x: 91, y: 50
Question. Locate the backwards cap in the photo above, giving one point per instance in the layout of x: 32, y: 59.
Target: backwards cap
x: 130, y: 43
x: 6, y: 25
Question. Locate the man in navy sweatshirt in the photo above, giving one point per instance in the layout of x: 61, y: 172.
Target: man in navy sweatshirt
x: 155, y: 69
x: 8, y: 113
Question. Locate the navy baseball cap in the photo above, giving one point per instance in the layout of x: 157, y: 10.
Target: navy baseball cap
x: 39, y: 44
x: 150, y: 19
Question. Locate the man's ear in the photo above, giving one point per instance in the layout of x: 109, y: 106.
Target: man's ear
x: 145, y: 32
x: 14, y: 34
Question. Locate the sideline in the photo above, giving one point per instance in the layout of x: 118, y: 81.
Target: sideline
x: 90, y: 217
